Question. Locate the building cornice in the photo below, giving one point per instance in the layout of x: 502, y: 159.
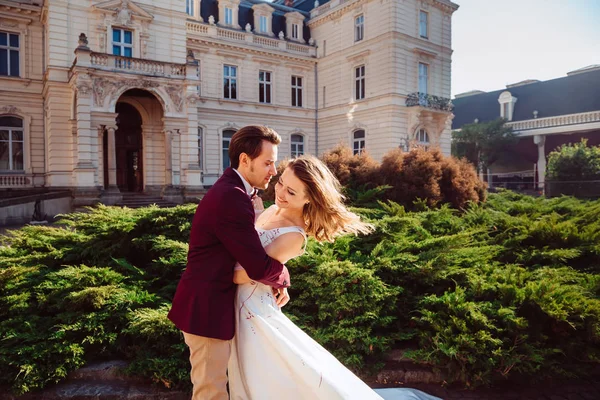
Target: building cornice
x: 444, y: 5
x: 19, y: 8
x: 201, y: 46
x: 332, y: 10
x: 335, y: 8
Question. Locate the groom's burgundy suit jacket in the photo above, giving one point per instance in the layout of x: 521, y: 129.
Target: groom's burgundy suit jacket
x: 222, y: 233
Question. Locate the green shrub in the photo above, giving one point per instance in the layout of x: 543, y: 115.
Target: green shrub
x: 501, y: 289
x: 574, y: 162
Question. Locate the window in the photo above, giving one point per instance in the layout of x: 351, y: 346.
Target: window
x: 423, y: 24
x: 324, y: 94
x: 201, y: 148
x: 229, y: 82
x: 296, y: 91
x: 297, y: 146
x: 358, y: 141
x: 505, y: 110
x: 227, y: 134
x: 359, y: 82
x: 11, y: 144
x: 9, y: 54
x: 507, y: 105
x: 228, y: 16
x: 422, y: 138
x: 263, y: 24
x: 122, y: 42
x: 264, y: 87
x: 295, y: 31
x: 189, y: 7
x: 324, y: 48
x: 423, y: 77
x: 359, y: 28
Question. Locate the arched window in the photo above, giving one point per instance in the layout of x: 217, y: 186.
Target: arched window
x: 358, y: 141
x: 422, y: 138
x: 227, y: 134
x: 11, y: 144
x: 297, y: 145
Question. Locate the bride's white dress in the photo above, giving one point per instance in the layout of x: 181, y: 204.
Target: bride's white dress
x: 272, y: 358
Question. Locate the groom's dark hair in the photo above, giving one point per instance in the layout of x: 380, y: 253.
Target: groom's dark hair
x: 249, y: 140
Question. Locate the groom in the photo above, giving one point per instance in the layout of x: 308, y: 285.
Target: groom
x: 223, y: 233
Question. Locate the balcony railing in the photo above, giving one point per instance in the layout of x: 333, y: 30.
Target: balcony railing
x: 560, y: 120
x: 136, y: 65
x: 429, y: 101
x: 12, y: 181
x: 250, y: 39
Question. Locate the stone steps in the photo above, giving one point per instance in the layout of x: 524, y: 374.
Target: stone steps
x: 137, y: 200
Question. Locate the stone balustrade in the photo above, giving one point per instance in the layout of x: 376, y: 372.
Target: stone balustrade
x: 561, y: 120
x: 249, y: 38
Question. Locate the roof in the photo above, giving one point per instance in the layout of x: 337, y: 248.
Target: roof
x: 302, y: 5
x: 576, y: 93
x: 246, y: 14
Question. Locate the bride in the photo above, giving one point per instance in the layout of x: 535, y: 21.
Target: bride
x: 271, y: 357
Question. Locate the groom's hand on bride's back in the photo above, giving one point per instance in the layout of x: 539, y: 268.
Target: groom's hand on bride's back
x: 281, y: 296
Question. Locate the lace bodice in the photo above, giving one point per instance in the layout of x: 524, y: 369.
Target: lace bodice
x: 267, y: 236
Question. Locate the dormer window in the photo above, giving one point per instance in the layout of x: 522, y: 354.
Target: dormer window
x: 294, y: 22
x: 507, y: 105
x: 263, y: 24
x: 228, y: 13
x: 263, y: 19
x: 189, y: 7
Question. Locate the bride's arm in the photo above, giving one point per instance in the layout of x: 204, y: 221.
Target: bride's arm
x: 282, y: 249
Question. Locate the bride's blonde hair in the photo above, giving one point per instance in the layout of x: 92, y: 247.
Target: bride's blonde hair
x: 325, y: 214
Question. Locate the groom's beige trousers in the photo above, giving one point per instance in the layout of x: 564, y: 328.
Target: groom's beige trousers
x: 209, y: 358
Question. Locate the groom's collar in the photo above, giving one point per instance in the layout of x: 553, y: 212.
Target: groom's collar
x: 247, y: 186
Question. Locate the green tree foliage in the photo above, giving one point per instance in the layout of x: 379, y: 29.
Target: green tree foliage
x: 483, y: 143
x: 574, y: 162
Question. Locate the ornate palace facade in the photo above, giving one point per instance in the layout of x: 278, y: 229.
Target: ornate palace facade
x: 109, y: 97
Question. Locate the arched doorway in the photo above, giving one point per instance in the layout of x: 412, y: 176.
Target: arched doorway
x: 128, y: 149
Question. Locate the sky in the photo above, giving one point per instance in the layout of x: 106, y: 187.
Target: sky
x: 501, y: 42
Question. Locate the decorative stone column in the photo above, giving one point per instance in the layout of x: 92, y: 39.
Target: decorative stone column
x: 86, y: 191
x: 111, y: 158
x: 172, y: 190
x: 168, y: 158
x: 111, y: 194
x: 540, y: 141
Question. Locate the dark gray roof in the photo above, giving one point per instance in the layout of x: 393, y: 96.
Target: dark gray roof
x: 246, y: 14
x: 572, y: 94
x: 303, y: 5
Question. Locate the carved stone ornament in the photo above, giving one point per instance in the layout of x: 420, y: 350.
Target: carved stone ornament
x: 211, y: 20
x: 193, y: 98
x: 124, y: 14
x: 248, y: 27
x: 83, y: 88
x: 176, y: 94
x: 83, y: 40
x: 104, y: 88
x: 281, y: 35
x: 10, y: 110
